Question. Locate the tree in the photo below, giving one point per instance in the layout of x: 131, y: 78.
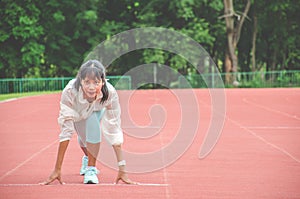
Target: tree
x: 278, y: 34
x: 21, y: 38
x: 234, y: 24
x: 71, y: 29
x: 52, y: 38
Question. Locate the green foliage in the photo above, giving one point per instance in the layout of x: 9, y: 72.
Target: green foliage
x: 185, y: 9
x: 246, y: 80
x: 278, y: 31
x: 32, y: 52
x: 110, y: 28
x: 199, y: 31
x: 58, y: 16
x: 52, y: 38
x: 20, y: 38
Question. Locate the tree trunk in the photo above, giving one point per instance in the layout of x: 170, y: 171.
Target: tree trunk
x: 253, y: 50
x: 229, y: 20
x: 233, y: 34
x: 228, y: 65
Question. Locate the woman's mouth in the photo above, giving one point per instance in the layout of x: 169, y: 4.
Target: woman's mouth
x: 91, y: 93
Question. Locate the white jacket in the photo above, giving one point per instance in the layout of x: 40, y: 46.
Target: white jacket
x: 73, y: 108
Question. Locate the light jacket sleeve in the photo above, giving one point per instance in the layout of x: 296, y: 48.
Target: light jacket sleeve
x: 66, y: 115
x: 111, y: 122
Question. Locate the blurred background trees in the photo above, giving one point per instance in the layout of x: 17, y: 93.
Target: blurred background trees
x: 51, y: 38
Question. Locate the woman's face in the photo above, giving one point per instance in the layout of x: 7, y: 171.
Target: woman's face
x: 91, y: 88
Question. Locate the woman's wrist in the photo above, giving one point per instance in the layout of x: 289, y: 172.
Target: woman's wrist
x: 57, y: 169
x: 121, y: 165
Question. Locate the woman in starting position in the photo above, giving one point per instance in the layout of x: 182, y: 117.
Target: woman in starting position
x: 90, y: 106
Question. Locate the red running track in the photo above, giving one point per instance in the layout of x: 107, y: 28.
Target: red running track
x: 256, y: 156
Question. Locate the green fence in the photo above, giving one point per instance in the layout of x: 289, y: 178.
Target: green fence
x: 20, y: 85
x: 243, y: 80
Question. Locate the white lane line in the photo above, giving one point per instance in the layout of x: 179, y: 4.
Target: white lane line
x: 270, y: 109
x: 79, y: 184
x: 265, y: 141
x: 165, y: 173
x: 8, y: 100
x: 273, y: 127
x: 27, y: 160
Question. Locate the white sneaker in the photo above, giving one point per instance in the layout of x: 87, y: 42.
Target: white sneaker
x: 90, y: 176
x: 84, y: 164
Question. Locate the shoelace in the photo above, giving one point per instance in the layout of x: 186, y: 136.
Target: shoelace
x: 91, y: 171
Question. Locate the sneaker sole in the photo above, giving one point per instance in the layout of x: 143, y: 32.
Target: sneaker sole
x: 90, y: 182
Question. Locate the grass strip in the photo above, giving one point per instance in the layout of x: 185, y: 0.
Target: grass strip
x: 18, y: 95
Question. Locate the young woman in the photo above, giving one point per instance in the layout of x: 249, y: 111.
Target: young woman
x: 90, y: 106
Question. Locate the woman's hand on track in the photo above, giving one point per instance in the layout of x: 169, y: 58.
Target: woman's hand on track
x: 122, y: 175
x: 55, y: 175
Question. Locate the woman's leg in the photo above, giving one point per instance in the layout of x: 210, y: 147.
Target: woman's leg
x: 93, y: 137
x: 80, y: 128
x: 89, y: 138
x: 89, y: 131
x: 82, y: 146
x: 84, y: 150
x: 92, y: 153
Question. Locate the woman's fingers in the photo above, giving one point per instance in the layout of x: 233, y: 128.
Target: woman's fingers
x: 60, y: 181
x: 49, y: 181
x: 124, y: 178
x: 53, y: 177
x: 128, y: 181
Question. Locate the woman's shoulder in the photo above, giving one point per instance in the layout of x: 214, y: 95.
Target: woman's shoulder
x: 110, y: 87
x: 70, y: 88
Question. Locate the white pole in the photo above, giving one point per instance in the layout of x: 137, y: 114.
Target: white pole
x: 155, y: 74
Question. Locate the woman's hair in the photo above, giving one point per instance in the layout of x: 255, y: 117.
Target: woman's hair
x: 94, y: 70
